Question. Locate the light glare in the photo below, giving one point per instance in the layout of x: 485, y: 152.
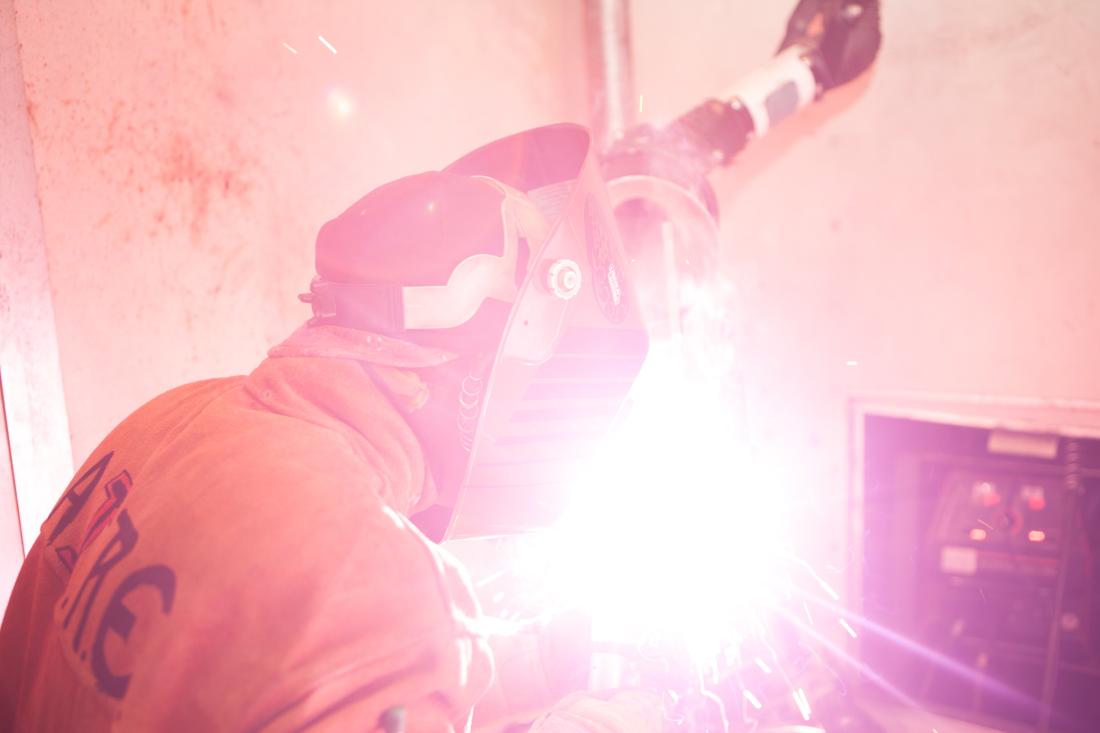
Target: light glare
x: 677, y: 534
x: 339, y: 104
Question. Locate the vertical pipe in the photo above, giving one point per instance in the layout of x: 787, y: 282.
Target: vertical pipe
x: 611, y: 97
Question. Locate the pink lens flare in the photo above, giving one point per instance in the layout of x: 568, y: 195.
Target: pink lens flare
x: 679, y: 531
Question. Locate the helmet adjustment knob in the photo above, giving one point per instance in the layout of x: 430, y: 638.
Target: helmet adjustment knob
x: 563, y: 278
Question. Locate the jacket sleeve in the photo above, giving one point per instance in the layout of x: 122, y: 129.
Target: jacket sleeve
x: 422, y: 659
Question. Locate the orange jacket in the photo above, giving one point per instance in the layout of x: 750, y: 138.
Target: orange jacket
x: 235, y: 556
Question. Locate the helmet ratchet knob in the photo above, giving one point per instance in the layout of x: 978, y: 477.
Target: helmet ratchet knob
x: 563, y: 278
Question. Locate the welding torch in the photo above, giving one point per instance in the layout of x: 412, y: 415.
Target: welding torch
x: 827, y: 44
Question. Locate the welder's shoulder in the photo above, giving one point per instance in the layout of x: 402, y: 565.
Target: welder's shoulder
x: 224, y: 445
x: 166, y: 415
x: 211, y: 444
x: 259, y: 481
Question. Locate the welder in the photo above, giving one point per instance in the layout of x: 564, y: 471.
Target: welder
x: 260, y: 552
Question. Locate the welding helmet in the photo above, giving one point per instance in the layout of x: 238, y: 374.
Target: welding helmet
x: 539, y: 290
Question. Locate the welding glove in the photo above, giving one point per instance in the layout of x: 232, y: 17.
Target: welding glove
x: 625, y: 711
x: 534, y: 669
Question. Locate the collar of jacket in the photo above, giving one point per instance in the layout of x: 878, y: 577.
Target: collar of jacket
x: 340, y: 342
x: 317, y: 369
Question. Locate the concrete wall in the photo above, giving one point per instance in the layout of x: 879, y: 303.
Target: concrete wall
x: 936, y: 223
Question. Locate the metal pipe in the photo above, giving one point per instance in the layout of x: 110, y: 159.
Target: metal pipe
x: 611, y: 97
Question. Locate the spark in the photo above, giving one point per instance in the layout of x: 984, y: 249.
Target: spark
x: 809, y: 616
x: 848, y: 627
x: 851, y: 363
x: 985, y: 524
x: 843, y: 655
x: 820, y: 581
x: 328, y: 45
x: 490, y: 578
x: 753, y: 700
x: 290, y: 48
x: 763, y: 666
x: 900, y: 640
x: 641, y: 103
x: 802, y: 703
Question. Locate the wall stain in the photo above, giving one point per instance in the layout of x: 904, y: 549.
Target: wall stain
x: 186, y: 168
x: 194, y: 174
